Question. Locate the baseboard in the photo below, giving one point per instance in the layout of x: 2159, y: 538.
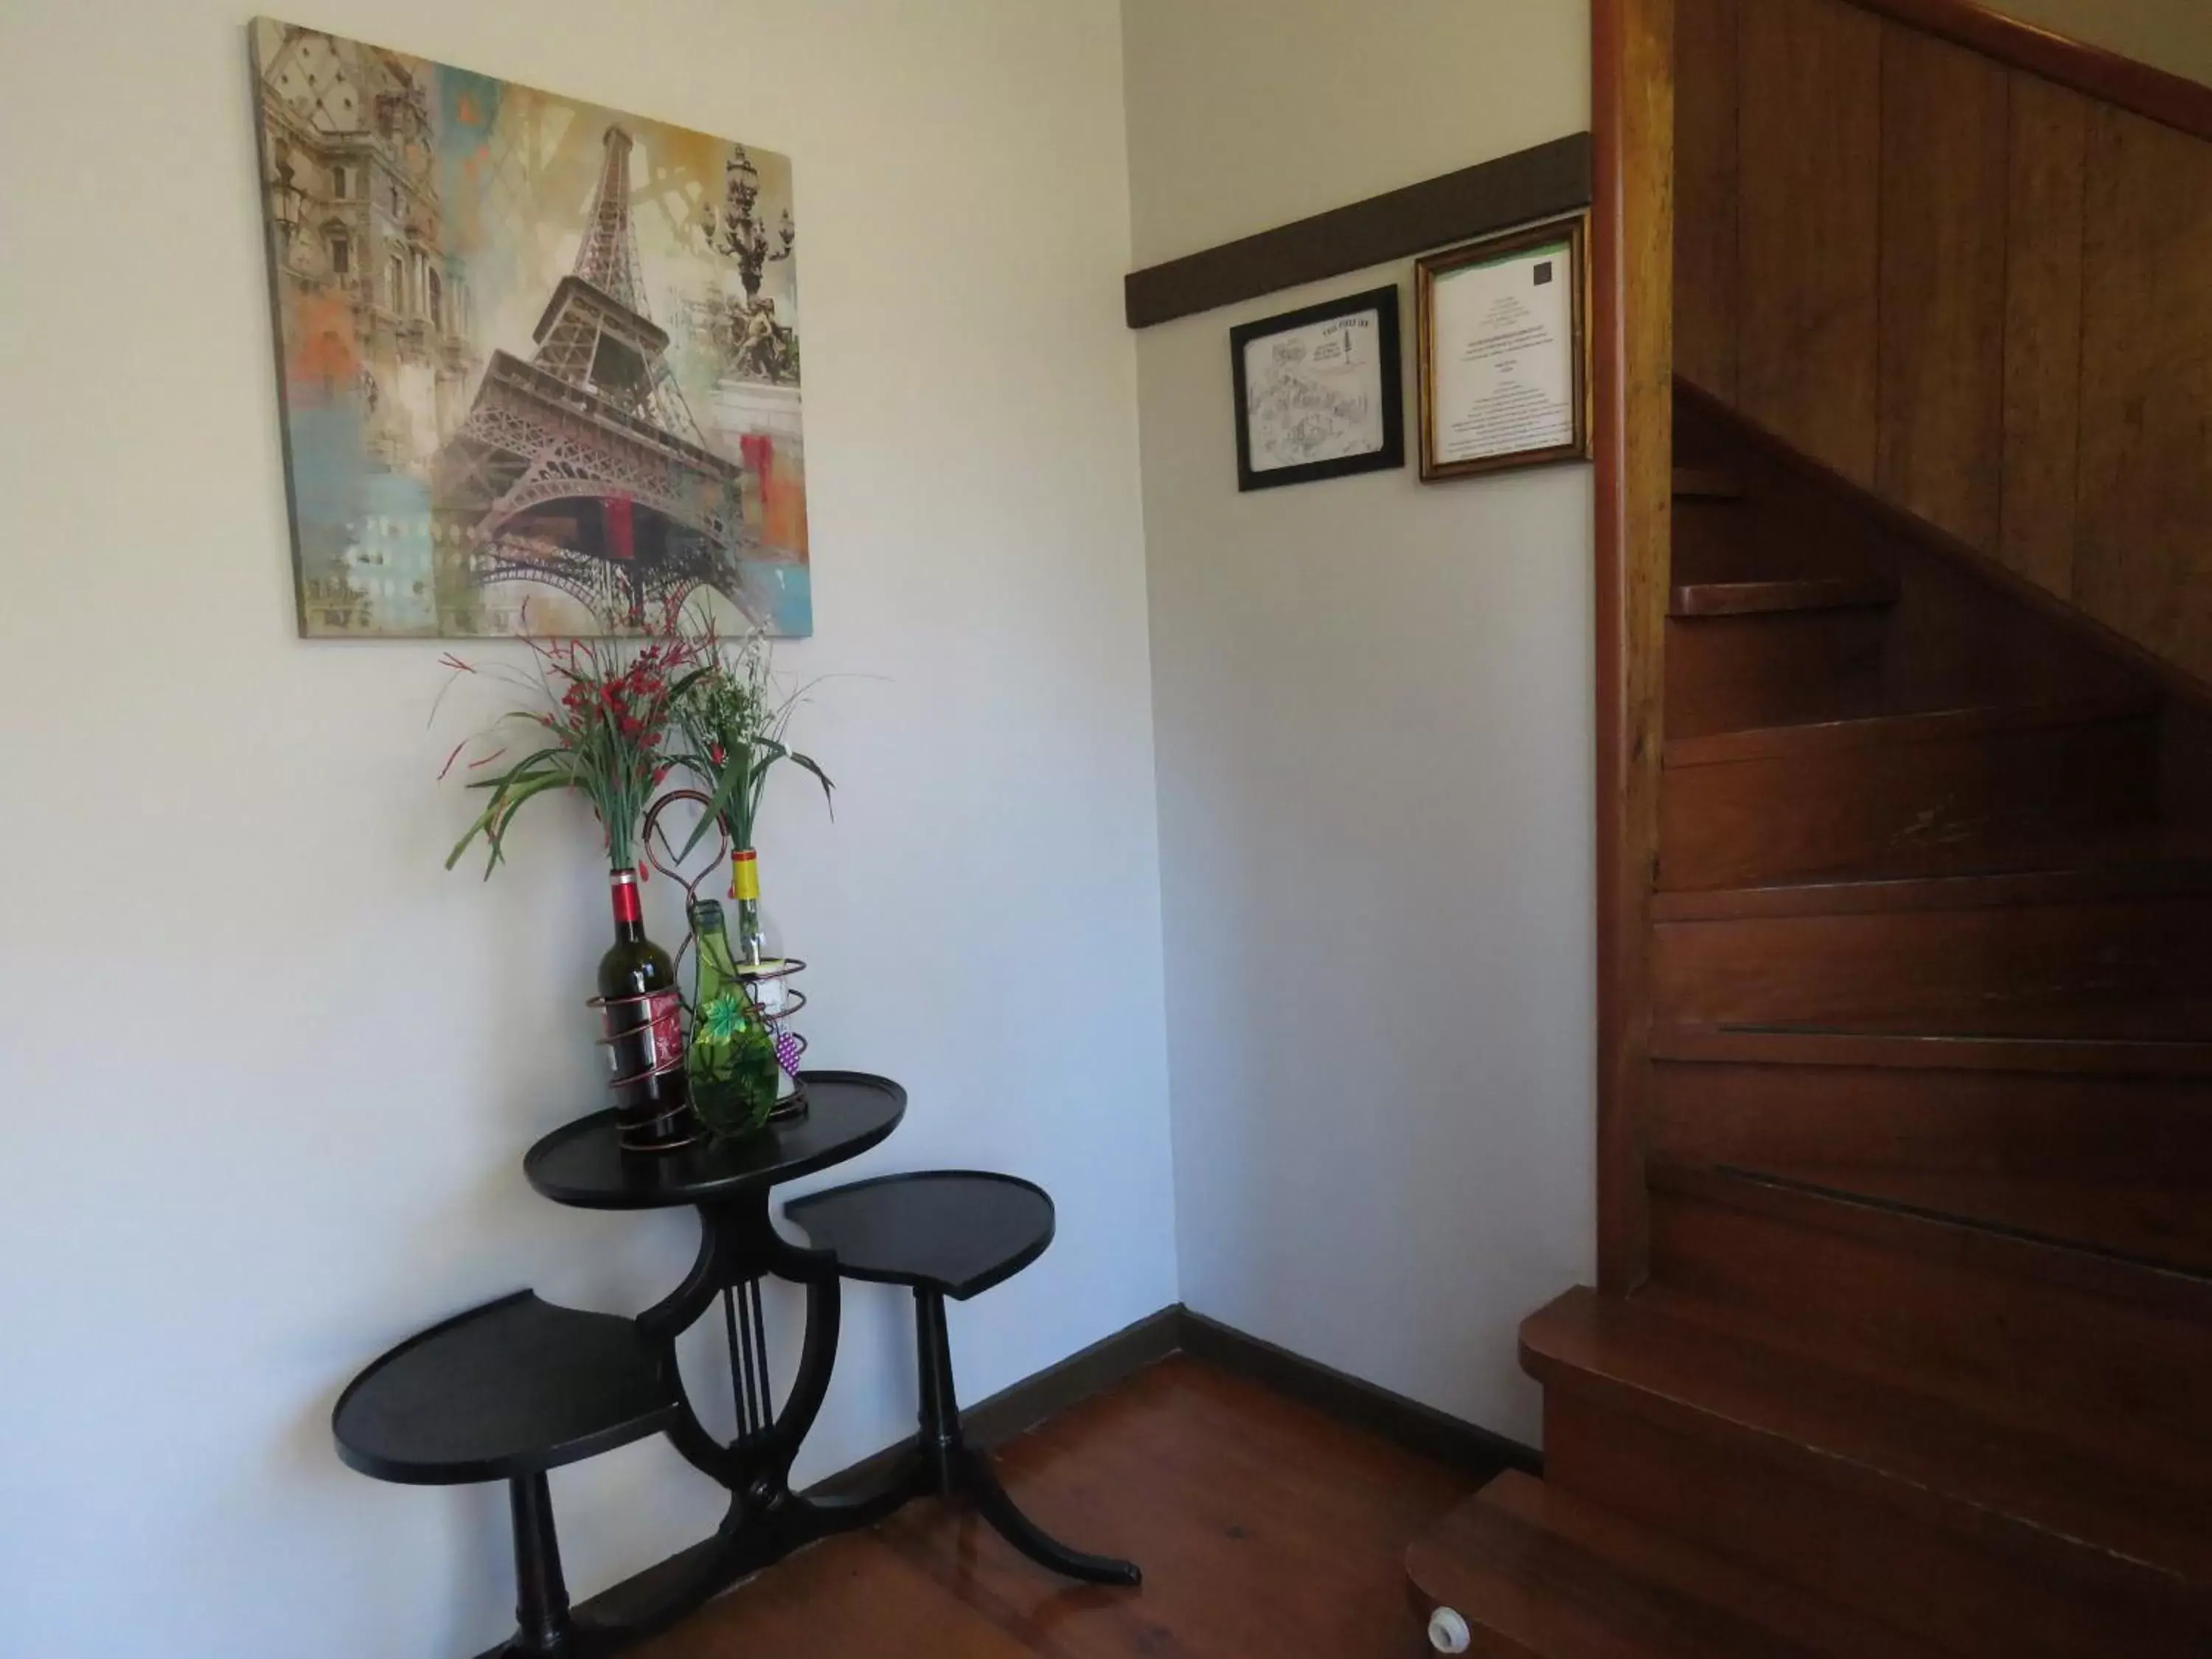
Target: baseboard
x: 1174, y: 1329
x: 1387, y: 1416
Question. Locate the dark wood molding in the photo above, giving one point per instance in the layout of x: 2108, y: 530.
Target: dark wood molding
x: 1543, y: 183
x: 2179, y: 102
x: 1632, y: 340
x: 2170, y: 677
x: 1363, y: 1405
x: 1112, y: 1359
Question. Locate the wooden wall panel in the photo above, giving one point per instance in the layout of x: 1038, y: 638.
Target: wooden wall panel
x: 1810, y: 139
x: 1944, y: 143
x: 1705, y: 127
x: 1983, y: 293
x: 2050, y: 134
x: 2143, y: 560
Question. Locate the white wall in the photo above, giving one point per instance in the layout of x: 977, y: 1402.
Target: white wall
x: 268, y: 1070
x: 1374, y: 722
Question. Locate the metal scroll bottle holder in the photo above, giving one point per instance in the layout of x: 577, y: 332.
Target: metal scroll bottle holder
x: 774, y: 1000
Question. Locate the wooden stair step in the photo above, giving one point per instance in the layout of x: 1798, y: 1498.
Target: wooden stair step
x: 2155, y: 857
x: 1877, y: 891
x: 1536, y: 1571
x: 1736, y: 557
x: 2058, y: 1520
x: 2048, y: 1336
x: 1883, y: 728
x: 1708, y: 484
x: 1693, y: 1041
x: 1771, y: 597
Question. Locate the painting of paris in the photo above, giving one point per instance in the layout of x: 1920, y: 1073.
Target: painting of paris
x: 538, y: 362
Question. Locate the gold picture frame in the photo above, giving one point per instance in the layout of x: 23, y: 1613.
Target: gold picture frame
x: 1519, y: 371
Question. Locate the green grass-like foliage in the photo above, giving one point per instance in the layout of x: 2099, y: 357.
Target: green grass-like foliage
x: 735, y: 724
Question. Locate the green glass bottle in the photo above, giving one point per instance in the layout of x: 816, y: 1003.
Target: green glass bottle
x: 730, y: 1063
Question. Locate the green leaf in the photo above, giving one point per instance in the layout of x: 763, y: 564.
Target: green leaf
x: 733, y: 780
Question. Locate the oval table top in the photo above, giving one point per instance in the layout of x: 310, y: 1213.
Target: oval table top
x: 582, y: 1164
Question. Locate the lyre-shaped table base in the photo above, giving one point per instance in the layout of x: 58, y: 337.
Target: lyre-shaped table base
x: 766, y: 1519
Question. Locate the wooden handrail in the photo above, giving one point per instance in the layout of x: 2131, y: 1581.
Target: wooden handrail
x: 2173, y: 100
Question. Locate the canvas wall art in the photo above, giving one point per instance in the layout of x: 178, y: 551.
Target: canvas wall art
x: 539, y: 361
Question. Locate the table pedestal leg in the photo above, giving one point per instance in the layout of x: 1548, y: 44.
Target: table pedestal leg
x: 960, y: 1471
x: 541, y: 1595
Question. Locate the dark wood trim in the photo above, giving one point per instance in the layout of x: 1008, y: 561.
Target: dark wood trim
x: 1363, y: 1405
x: 2180, y: 103
x: 2170, y: 677
x: 1632, y: 339
x: 1546, y: 182
x: 1112, y: 1359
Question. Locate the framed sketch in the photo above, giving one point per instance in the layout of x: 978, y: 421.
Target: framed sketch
x: 1504, y: 355
x: 1319, y: 391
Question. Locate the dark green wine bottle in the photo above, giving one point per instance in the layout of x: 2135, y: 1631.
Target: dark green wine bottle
x: 645, y: 1029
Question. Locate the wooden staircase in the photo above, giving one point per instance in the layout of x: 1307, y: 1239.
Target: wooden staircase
x: 1922, y: 1364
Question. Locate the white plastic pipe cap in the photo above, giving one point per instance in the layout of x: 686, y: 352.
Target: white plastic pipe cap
x: 1448, y: 1632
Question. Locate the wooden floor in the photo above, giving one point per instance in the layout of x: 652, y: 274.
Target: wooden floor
x: 1263, y: 1528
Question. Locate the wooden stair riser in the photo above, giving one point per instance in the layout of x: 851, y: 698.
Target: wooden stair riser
x: 1534, y: 1570
x: 2022, y: 1329
x: 1883, y: 1550
x: 2115, y: 1164
x: 2038, y: 1126
x: 1737, y: 823
x: 1996, y: 968
x: 1724, y: 673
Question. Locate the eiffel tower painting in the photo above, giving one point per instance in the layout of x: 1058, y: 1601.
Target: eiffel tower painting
x: 539, y: 362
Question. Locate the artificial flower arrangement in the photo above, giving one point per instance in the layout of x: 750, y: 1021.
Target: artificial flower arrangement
x: 613, y: 720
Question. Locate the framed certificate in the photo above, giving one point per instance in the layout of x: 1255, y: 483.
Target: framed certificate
x: 1503, y: 362
x: 1319, y: 391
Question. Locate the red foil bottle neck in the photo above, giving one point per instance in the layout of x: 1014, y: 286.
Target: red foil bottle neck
x: 621, y: 887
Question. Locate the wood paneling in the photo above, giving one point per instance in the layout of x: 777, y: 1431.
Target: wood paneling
x: 2049, y: 130
x: 1976, y: 291
x: 2180, y: 103
x: 1705, y: 129
x: 1809, y: 215
x: 2143, y: 564
x: 1944, y: 146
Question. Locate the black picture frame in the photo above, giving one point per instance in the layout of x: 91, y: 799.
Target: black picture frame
x: 1390, y: 364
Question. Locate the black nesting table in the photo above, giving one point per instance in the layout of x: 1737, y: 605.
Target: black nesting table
x: 513, y: 1388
